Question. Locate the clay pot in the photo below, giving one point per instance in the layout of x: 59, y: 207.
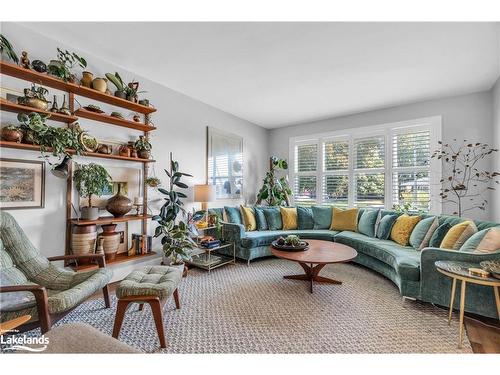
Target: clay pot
x: 144, y: 154
x: 119, y: 204
x: 100, y: 84
x: 12, y: 135
x: 124, y: 150
x: 104, y: 149
x: 87, y: 79
x: 111, y: 240
x: 133, y: 153
x: 83, y: 239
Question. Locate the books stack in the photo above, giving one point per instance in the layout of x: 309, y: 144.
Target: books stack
x: 141, y: 244
x: 210, y: 243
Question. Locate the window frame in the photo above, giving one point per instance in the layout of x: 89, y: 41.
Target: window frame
x: 432, y: 124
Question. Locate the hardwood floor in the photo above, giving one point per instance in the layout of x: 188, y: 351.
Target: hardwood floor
x: 483, y: 333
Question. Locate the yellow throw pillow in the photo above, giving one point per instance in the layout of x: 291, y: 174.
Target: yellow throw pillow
x: 248, y: 218
x: 289, y: 217
x: 458, y: 234
x: 402, y: 228
x: 344, y: 219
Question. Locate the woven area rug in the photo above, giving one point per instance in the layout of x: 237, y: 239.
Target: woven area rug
x: 240, y: 309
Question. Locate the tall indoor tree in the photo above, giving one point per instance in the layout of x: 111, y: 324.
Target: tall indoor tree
x: 275, y: 191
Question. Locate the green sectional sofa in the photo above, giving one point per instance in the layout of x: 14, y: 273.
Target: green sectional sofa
x: 412, y: 271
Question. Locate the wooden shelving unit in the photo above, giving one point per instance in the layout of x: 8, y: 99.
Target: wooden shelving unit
x: 120, y: 258
x: 74, y: 89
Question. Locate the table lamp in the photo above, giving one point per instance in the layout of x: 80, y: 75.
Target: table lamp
x: 204, y: 194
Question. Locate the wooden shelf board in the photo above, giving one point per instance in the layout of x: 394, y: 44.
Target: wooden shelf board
x: 25, y: 146
x: 17, y: 108
x: 101, y: 117
x: 110, y: 219
x: 120, y: 258
x: 51, y: 81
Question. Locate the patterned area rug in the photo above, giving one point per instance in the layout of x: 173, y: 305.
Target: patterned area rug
x: 240, y: 309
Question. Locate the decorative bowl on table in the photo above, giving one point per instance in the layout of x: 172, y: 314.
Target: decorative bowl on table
x: 492, y: 266
x: 290, y: 243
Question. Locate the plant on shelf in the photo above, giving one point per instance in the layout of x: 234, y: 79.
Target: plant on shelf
x: 176, y: 239
x: 35, y: 97
x: 12, y: 133
x: 91, y: 180
x: 66, y: 60
x: 131, y: 91
x: 275, y: 191
x: 153, y: 182
x: 7, y: 49
x: 143, y: 147
x: 116, y: 80
x: 465, y: 181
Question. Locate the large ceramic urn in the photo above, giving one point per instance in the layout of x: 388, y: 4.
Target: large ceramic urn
x: 110, y: 240
x: 119, y: 204
x: 83, y: 239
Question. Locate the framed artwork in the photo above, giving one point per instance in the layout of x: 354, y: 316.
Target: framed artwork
x: 22, y: 184
x: 225, y: 163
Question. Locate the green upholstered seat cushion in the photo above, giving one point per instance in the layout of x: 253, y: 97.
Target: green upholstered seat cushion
x: 439, y: 233
x: 322, y: 217
x: 385, y: 226
x: 264, y: 238
x: 404, y: 259
x: 260, y: 218
x: 472, y: 243
x: 423, y: 231
x: 273, y: 218
x: 366, y: 224
x: 233, y: 215
x: 305, y: 218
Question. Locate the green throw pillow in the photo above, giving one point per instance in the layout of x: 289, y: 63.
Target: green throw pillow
x: 423, y: 231
x: 273, y: 218
x: 219, y: 212
x: 366, y: 224
x: 233, y: 215
x: 385, y: 226
x: 260, y: 218
x: 472, y: 243
x: 438, y: 235
x: 322, y: 217
x: 305, y: 218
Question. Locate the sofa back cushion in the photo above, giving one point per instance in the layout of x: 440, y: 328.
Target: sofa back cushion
x: 233, y: 215
x: 367, y: 221
x: 438, y: 235
x: 458, y: 234
x: 260, y: 218
x: 322, y: 217
x: 273, y: 218
x: 423, y: 231
x: 305, y: 218
x: 402, y: 228
x: 472, y: 245
x: 385, y: 226
x: 289, y: 218
x: 344, y: 219
x: 248, y: 217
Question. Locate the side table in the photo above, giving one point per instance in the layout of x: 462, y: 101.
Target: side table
x: 460, y: 271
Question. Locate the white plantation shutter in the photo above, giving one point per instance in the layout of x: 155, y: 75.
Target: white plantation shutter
x: 306, y: 158
x: 369, y: 171
x: 305, y: 168
x: 336, y: 155
x: 369, y: 153
x: 335, y: 188
x: 411, y: 152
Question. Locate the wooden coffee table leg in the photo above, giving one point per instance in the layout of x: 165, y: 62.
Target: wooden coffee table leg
x: 312, y: 275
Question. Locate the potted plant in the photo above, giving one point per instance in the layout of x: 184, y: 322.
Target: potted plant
x: 153, y: 182
x: 35, y: 97
x: 12, y: 133
x: 66, y: 60
x: 143, y: 147
x: 176, y: 238
x: 131, y: 91
x: 91, y: 179
x: 7, y: 50
x: 275, y: 191
x: 116, y: 80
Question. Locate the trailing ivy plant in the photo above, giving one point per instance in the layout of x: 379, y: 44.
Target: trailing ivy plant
x: 91, y: 179
x: 275, y: 191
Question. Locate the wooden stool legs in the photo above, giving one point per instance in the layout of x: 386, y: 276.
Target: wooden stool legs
x: 156, y: 308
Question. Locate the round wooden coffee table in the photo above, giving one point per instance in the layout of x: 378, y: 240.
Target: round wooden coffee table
x: 319, y: 254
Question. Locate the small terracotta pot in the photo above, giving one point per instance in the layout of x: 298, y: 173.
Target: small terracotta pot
x: 87, y: 79
x: 124, y: 150
x: 12, y: 135
x: 100, y: 84
x: 144, y: 154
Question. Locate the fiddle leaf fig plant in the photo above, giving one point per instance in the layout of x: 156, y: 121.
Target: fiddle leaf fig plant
x: 91, y: 179
x: 275, y: 191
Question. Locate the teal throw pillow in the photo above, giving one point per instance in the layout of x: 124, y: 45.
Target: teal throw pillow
x: 322, y: 217
x: 260, y: 218
x: 423, y: 231
x: 273, y: 218
x: 233, y: 215
x: 438, y: 235
x: 219, y: 212
x: 305, y: 218
x: 472, y: 243
x: 385, y: 226
x: 366, y: 224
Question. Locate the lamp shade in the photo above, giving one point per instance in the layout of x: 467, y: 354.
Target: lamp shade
x: 204, y: 193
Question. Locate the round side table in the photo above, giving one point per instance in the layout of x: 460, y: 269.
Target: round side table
x: 460, y: 271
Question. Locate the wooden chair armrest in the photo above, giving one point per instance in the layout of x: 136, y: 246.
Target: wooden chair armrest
x: 21, y: 288
x: 99, y: 257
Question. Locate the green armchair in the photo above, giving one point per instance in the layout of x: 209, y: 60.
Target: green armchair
x: 31, y: 285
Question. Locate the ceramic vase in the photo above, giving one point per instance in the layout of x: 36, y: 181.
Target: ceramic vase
x: 111, y: 240
x: 100, y: 84
x: 12, y: 135
x: 119, y: 204
x: 87, y: 79
x: 83, y: 239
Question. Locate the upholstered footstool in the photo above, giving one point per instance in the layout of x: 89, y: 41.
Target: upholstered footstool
x: 152, y: 285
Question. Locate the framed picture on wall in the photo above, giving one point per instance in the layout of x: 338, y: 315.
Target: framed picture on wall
x: 22, y: 184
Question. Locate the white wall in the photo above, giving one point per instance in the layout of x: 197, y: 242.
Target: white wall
x: 495, y: 210
x: 181, y: 123
x: 464, y: 117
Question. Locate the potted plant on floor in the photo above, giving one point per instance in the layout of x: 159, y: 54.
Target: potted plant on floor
x: 91, y: 179
x: 275, y: 191
x: 175, y: 236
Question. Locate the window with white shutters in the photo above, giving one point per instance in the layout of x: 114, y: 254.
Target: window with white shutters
x: 305, y: 168
x: 336, y: 172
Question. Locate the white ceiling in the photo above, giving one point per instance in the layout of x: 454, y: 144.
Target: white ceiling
x: 277, y: 74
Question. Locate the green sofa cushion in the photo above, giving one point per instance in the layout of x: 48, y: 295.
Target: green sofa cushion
x: 233, y: 215
x: 322, y: 217
x: 273, y: 218
x: 264, y: 238
x: 404, y: 259
x: 260, y: 218
x: 439, y: 233
x: 367, y: 220
x: 420, y: 231
x: 305, y: 218
x: 471, y: 244
x: 385, y: 225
